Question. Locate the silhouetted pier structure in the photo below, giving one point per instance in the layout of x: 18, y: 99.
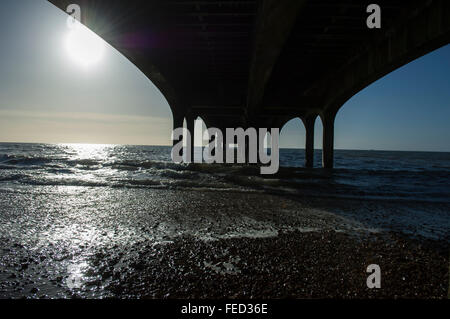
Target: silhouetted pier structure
x: 261, y: 63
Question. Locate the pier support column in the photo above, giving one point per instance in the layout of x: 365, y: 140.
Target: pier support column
x: 309, y: 123
x: 212, y: 139
x: 190, y: 125
x: 177, y: 123
x: 328, y: 140
x: 247, y: 150
x: 257, y: 147
x: 224, y: 144
x: 235, y: 149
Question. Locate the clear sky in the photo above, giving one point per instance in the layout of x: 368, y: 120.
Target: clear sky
x: 409, y: 109
x: 46, y: 95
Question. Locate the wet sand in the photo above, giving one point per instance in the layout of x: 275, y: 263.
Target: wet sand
x: 93, y: 242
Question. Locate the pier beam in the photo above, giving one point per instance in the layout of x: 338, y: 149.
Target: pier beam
x: 309, y: 123
x: 328, y: 140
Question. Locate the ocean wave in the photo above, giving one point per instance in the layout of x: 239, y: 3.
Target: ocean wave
x: 24, y: 160
x: 13, y: 177
x: 63, y: 182
x: 363, y: 174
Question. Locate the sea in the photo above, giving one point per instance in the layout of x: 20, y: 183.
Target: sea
x: 68, y: 210
x: 387, y: 175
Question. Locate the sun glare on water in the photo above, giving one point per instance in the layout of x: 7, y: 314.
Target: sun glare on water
x: 88, y: 151
x: 84, y: 46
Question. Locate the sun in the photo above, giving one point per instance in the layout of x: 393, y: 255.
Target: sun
x: 84, y: 46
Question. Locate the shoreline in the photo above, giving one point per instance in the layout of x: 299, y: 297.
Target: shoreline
x: 320, y: 265
x: 186, y: 244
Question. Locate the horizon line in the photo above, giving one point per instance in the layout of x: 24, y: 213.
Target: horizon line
x: 165, y: 145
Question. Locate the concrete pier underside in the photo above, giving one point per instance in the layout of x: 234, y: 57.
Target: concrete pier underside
x: 261, y: 63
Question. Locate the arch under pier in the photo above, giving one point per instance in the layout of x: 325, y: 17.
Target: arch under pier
x: 261, y: 63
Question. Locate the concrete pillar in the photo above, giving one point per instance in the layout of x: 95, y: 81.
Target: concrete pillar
x: 224, y: 145
x: 328, y: 140
x: 309, y: 123
x: 212, y: 139
x: 247, y: 150
x: 257, y: 145
x: 177, y: 123
x: 190, y: 125
x: 235, y: 149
